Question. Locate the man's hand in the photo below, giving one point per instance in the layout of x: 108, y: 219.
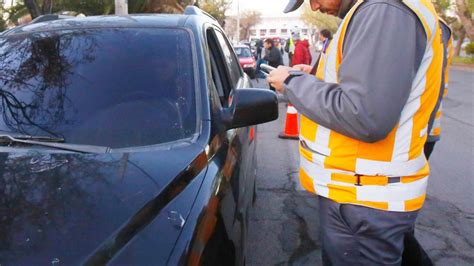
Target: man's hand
x: 277, y: 77
x: 305, y: 68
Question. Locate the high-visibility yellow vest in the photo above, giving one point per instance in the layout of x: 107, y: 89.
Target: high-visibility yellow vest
x: 292, y: 46
x: 391, y: 174
x: 436, y: 128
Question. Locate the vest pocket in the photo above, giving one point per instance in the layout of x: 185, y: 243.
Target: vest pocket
x: 305, y: 146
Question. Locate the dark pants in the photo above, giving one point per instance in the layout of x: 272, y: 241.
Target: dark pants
x: 414, y: 254
x: 356, y: 235
x: 429, y: 146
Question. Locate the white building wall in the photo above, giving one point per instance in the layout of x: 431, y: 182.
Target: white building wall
x: 278, y: 27
x: 273, y: 17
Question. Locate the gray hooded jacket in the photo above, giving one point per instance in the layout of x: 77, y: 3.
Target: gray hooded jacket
x: 384, y: 45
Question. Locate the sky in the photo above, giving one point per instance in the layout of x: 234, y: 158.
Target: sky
x: 266, y: 7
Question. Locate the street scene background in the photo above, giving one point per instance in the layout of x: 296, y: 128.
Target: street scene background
x: 284, y: 227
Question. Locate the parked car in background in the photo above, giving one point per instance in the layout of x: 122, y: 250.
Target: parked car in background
x: 249, y: 45
x: 126, y: 141
x: 246, y: 59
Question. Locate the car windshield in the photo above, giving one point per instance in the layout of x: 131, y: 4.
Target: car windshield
x: 109, y: 87
x: 243, y: 52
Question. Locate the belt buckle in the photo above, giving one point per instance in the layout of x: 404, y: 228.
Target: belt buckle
x: 395, y: 179
x: 358, y: 180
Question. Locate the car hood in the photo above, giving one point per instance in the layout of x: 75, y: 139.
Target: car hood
x: 72, y: 208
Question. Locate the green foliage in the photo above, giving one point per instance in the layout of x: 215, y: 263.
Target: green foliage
x: 463, y: 60
x: 106, y: 7
x: 470, y: 48
x: 88, y: 8
x: 3, y: 22
x: 470, y: 5
x: 441, y: 6
x: 216, y: 8
x: 320, y: 20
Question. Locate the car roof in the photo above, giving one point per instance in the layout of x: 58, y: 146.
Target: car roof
x: 112, y: 21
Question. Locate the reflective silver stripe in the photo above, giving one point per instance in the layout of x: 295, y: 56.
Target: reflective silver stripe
x: 379, y: 168
x: 291, y: 110
x: 396, y: 192
x: 315, y: 148
x: 403, y: 143
x: 396, y: 206
x: 436, y: 125
x: 316, y: 158
x: 320, y: 176
x: 423, y: 131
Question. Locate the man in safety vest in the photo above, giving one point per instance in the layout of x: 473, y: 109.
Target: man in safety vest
x: 414, y: 254
x: 434, y: 125
x: 364, y: 122
x: 290, y: 49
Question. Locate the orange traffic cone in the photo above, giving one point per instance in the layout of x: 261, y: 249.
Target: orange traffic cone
x: 291, y: 124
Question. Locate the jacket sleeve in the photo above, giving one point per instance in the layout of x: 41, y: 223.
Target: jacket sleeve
x: 270, y: 55
x: 375, y: 77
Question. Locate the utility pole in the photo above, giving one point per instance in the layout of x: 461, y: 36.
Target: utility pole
x: 121, y: 7
x: 238, y: 21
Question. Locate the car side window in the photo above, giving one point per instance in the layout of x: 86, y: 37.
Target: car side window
x: 219, y: 70
x: 219, y: 86
x: 232, y: 62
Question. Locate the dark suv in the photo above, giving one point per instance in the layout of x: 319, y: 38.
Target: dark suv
x: 127, y: 141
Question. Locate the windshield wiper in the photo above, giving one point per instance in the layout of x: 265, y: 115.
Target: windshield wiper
x: 53, y: 143
x: 37, y: 138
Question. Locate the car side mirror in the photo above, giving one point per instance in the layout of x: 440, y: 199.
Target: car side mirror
x: 250, y: 107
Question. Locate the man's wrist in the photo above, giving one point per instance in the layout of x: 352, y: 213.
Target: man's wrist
x: 293, y: 74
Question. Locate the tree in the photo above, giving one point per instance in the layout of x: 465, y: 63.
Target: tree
x: 460, y: 23
x: 230, y: 27
x: 320, y: 20
x: 33, y: 8
x: 3, y: 22
x: 459, y: 35
x: 464, y: 10
x: 163, y: 6
x: 249, y: 18
x: 88, y: 8
x: 216, y: 8
x: 470, y: 49
x: 91, y: 7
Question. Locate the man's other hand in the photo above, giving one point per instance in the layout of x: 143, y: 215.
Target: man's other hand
x: 305, y: 68
x: 277, y: 77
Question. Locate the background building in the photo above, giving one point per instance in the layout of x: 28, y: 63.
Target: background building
x: 279, y: 25
x: 273, y: 23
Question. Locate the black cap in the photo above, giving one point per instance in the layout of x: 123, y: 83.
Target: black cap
x: 293, y: 5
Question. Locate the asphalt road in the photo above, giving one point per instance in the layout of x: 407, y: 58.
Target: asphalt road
x: 284, y: 222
